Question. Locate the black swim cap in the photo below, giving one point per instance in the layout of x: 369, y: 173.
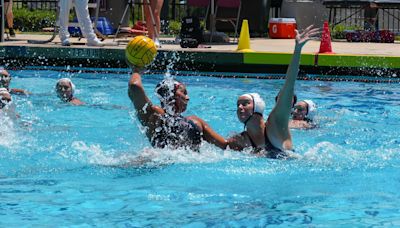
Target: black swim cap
x: 166, y: 89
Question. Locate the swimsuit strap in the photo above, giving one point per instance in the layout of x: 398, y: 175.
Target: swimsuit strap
x: 271, y: 150
x: 268, y: 143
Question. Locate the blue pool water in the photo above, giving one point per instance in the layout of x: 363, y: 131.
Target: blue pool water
x: 60, y: 165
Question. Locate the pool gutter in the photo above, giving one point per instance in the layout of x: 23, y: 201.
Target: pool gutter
x: 210, y: 61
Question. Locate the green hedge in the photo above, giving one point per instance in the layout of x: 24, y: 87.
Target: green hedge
x: 27, y: 20
x: 338, y: 32
x: 174, y: 27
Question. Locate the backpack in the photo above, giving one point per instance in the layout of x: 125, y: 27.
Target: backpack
x: 191, y: 33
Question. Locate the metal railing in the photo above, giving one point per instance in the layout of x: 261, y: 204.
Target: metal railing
x: 36, y: 4
x: 2, y: 17
x: 176, y: 10
x: 388, y: 18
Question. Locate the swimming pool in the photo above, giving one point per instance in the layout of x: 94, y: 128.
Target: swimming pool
x: 58, y: 165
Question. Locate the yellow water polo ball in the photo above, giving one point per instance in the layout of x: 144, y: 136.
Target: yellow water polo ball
x: 140, y: 51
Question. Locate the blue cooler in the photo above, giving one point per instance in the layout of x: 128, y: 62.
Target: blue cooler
x: 103, y: 25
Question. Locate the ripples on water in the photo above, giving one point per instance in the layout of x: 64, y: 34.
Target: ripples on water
x: 64, y: 165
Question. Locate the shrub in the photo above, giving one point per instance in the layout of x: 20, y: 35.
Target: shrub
x: 174, y: 27
x: 338, y: 32
x: 33, y: 20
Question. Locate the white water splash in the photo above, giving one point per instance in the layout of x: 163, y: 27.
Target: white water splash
x: 8, y: 131
x: 329, y: 155
x: 100, y: 98
x: 94, y: 154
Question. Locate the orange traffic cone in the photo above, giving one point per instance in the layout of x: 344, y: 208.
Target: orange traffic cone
x: 325, y: 46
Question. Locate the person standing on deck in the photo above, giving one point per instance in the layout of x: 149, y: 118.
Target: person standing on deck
x: 82, y: 12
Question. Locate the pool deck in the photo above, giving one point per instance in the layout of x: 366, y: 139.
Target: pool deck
x: 271, y: 56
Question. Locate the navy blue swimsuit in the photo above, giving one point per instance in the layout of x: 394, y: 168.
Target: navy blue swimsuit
x: 269, y: 150
x: 175, y: 132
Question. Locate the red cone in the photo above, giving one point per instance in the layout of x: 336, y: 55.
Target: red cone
x: 326, y: 46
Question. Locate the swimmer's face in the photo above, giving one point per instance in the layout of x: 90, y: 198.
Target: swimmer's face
x: 5, y: 79
x: 64, y: 90
x: 181, y: 98
x: 5, y: 99
x: 245, y: 106
x: 299, y: 110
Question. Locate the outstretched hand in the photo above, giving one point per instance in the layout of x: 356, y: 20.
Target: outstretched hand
x: 303, y: 37
x: 134, y: 68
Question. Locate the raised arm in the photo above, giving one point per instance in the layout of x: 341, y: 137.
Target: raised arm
x: 19, y: 92
x: 144, y: 107
x: 278, y: 120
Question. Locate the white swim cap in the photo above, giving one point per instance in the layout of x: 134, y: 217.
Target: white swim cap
x: 259, y: 104
x: 4, y: 91
x: 68, y: 80
x: 311, y: 109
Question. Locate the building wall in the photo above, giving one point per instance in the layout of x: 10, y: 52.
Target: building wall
x: 113, y: 10
x: 255, y: 11
x: 305, y: 12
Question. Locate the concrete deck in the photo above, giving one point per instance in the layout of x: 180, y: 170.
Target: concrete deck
x: 270, y: 56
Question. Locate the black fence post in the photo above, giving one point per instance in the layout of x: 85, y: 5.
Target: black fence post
x: 164, y: 17
x: 2, y: 21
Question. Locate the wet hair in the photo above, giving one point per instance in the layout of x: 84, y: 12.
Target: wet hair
x: 294, y: 99
x: 166, y: 89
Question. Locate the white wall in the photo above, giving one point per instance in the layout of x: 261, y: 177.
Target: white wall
x: 306, y: 12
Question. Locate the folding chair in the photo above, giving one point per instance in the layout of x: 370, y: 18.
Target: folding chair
x: 236, y: 4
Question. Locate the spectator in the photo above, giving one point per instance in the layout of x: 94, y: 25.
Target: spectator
x: 8, y: 4
x: 153, y: 19
x: 82, y: 12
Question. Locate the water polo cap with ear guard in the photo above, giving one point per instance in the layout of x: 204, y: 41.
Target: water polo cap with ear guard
x: 3, y: 103
x: 69, y: 81
x: 258, y: 104
x: 311, y: 109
